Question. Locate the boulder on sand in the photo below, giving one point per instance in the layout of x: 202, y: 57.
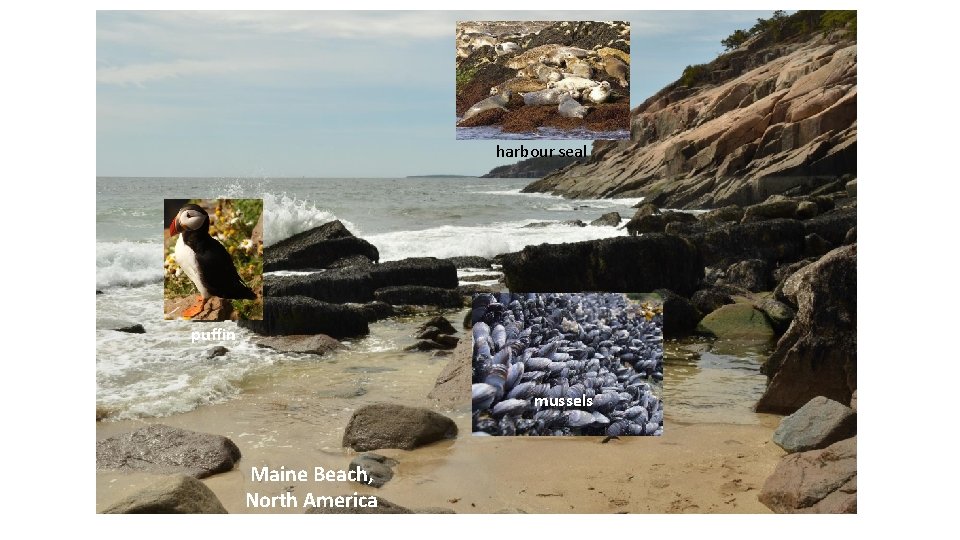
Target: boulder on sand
x: 163, y: 449
x: 818, y: 481
x: 379, y: 469
x: 179, y: 494
x: 384, y: 425
x: 318, y: 344
x: 818, y: 424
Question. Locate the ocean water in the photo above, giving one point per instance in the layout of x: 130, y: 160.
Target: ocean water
x: 164, y: 371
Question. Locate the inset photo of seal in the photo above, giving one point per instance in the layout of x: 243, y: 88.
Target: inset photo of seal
x: 543, y: 80
x: 560, y: 364
x: 213, y: 259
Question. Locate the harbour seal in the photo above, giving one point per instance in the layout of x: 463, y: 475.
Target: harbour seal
x: 618, y: 69
x: 597, y: 94
x: 507, y: 47
x: 570, y: 108
x: 573, y: 83
x: 578, y: 67
x: 496, y: 101
x: 549, y: 96
x: 543, y: 72
x: 519, y: 84
x: 532, y: 56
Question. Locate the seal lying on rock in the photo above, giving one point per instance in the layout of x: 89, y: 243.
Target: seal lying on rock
x: 506, y: 48
x: 570, y: 108
x: 573, y: 84
x: 578, y: 67
x: 496, y: 101
x: 550, y: 96
x: 518, y: 84
x: 617, y: 69
x: 543, y: 72
x: 597, y: 94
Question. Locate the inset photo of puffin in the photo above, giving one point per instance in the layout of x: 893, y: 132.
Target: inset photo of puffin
x: 543, y: 80
x: 559, y: 364
x: 213, y: 259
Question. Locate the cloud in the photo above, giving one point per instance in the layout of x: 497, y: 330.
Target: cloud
x: 138, y: 74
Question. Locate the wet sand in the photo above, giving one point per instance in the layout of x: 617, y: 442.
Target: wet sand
x: 293, y: 415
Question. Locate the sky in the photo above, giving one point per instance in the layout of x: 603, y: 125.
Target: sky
x: 327, y: 94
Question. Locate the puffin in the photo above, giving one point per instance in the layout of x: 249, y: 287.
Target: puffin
x: 204, y: 259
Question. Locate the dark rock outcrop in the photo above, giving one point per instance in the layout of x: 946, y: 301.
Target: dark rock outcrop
x: 289, y: 315
x: 751, y: 274
x: 644, y: 223
x: 710, y: 300
x: 832, y: 226
x: 132, y: 329
x: 359, y: 284
x: 776, y: 240
x: 420, y: 296
x: 537, y: 167
x: 642, y: 263
x: 470, y: 262
x: 425, y: 271
x: 180, y: 494
x: 384, y: 425
x: 818, y: 481
x: 163, y: 449
x: 780, y: 314
x: 818, y: 354
x: 442, y: 325
x: 215, y: 351
x: 610, y: 219
x: 680, y: 317
x: 317, y: 248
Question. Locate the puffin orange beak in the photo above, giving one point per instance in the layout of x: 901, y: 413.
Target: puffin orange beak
x: 174, y: 227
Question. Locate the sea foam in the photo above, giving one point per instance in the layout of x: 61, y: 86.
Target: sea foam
x: 128, y: 264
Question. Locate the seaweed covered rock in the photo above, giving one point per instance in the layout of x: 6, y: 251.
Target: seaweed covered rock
x: 641, y: 263
x: 317, y: 248
x: 287, y: 315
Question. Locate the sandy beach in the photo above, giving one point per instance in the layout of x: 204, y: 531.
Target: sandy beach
x: 293, y: 415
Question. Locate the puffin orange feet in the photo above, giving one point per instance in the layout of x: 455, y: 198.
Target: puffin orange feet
x: 193, y: 310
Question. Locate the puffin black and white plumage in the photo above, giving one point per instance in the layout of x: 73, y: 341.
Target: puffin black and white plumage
x: 204, y: 259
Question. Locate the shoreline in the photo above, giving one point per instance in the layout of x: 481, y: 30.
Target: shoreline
x: 294, y: 417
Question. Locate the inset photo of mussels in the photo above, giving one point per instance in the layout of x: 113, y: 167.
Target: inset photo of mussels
x: 567, y: 364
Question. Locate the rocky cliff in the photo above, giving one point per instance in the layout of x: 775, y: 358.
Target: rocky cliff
x: 763, y: 119
x: 537, y: 167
